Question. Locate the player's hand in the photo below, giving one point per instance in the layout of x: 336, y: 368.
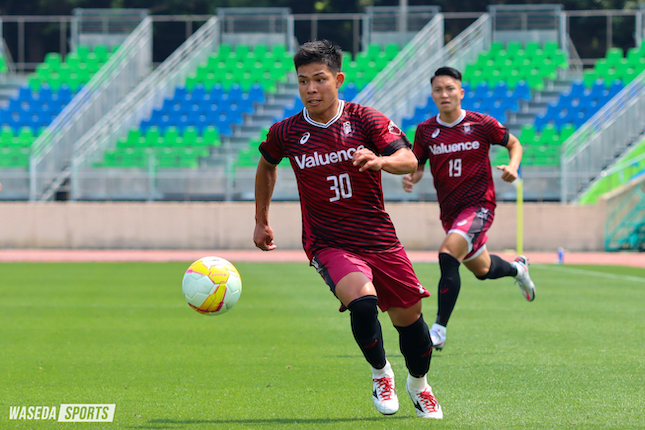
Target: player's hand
x: 508, y: 174
x: 408, y: 184
x: 365, y: 159
x: 263, y: 237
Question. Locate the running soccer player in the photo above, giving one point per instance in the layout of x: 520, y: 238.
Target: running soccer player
x: 457, y: 142
x: 337, y: 150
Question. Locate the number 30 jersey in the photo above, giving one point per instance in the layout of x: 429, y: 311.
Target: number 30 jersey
x: 341, y: 207
x: 459, y: 161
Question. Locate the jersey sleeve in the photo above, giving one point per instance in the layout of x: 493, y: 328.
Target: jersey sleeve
x: 419, y: 149
x: 386, y: 136
x: 272, y: 148
x: 498, y: 134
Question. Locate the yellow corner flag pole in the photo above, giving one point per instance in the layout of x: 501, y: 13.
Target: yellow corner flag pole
x: 520, y: 213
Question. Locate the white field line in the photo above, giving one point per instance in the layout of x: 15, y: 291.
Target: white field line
x: 593, y: 273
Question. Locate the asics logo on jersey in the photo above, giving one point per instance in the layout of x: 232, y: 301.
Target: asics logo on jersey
x: 305, y: 138
x: 305, y: 161
x: 442, y: 148
x: 435, y: 133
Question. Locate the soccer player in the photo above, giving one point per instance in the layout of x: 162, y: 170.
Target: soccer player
x: 337, y: 150
x: 457, y: 142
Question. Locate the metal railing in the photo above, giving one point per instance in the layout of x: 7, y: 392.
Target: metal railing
x: 405, y: 82
x: 391, y: 87
x: 597, y: 144
x: 51, y: 154
x: 129, y: 112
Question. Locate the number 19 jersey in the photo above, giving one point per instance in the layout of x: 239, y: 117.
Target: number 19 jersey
x: 459, y: 161
x: 341, y: 207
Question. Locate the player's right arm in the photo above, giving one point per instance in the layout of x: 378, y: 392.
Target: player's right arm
x: 265, y: 178
x: 418, y: 149
x: 412, y: 178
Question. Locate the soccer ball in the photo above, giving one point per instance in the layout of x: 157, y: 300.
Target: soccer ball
x: 211, y: 285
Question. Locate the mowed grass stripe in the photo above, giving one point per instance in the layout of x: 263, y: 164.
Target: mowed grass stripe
x: 285, y: 358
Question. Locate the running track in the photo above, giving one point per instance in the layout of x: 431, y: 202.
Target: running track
x: 79, y: 255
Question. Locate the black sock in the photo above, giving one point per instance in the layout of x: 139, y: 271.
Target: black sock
x: 416, y: 347
x: 367, y: 329
x: 498, y: 269
x: 449, y: 286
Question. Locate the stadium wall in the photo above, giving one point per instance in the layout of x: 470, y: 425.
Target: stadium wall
x: 220, y: 225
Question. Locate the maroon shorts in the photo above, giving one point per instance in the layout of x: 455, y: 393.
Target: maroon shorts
x: 472, y: 224
x: 391, y: 273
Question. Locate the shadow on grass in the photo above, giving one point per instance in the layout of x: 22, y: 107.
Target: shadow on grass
x: 169, y: 423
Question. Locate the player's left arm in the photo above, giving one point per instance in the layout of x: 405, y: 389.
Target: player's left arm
x: 400, y: 162
x: 510, y: 170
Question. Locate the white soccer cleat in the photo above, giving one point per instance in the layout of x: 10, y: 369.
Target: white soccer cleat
x: 425, y: 403
x: 383, y: 392
x: 438, y: 336
x: 523, y: 279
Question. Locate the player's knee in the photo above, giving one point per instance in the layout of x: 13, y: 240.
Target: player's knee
x: 365, y: 306
x: 364, y: 318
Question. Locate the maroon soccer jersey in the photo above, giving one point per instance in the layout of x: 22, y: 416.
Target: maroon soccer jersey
x: 341, y: 207
x: 459, y: 163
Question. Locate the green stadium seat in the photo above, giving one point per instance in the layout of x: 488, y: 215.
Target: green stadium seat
x: 7, y: 137
x: 495, y: 47
x: 172, y: 138
x: 512, y: 49
x: 83, y: 51
x: 548, y: 133
x: 224, y: 50
x: 614, y: 55
x: 53, y: 60
x: 391, y: 51
x: 260, y: 50
x: 211, y: 137
x: 527, y: 134
x: 153, y: 138
x: 531, y: 48
x: 242, y: 50
x: 535, y: 81
x: 566, y: 132
x: 102, y: 53
x: 26, y: 137
x: 191, y: 137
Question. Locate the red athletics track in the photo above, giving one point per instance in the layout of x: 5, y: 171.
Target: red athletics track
x: 80, y: 255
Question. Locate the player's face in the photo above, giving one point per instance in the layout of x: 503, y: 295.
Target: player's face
x: 447, y: 94
x: 318, y: 88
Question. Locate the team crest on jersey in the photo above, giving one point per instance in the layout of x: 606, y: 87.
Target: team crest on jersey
x: 305, y: 138
x: 467, y: 127
x: 347, y: 128
x: 392, y: 128
x: 435, y: 133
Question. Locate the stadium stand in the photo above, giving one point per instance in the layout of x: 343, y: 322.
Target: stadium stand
x: 49, y: 89
x: 506, y: 75
x: 218, y: 95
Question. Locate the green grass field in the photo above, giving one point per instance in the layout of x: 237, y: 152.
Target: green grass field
x: 285, y: 358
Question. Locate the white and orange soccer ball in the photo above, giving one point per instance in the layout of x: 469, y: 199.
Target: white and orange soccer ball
x: 212, y: 285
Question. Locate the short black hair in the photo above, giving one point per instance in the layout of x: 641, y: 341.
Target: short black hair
x: 319, y: 51
x: 447, y: 71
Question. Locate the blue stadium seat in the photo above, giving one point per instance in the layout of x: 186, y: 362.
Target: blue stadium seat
x: 522, y: 91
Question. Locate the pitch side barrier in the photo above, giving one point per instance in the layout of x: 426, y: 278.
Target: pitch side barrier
x: 405, y: 82
x: 596, y: 145
x: 103, y: 183
x: 51, y: 154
